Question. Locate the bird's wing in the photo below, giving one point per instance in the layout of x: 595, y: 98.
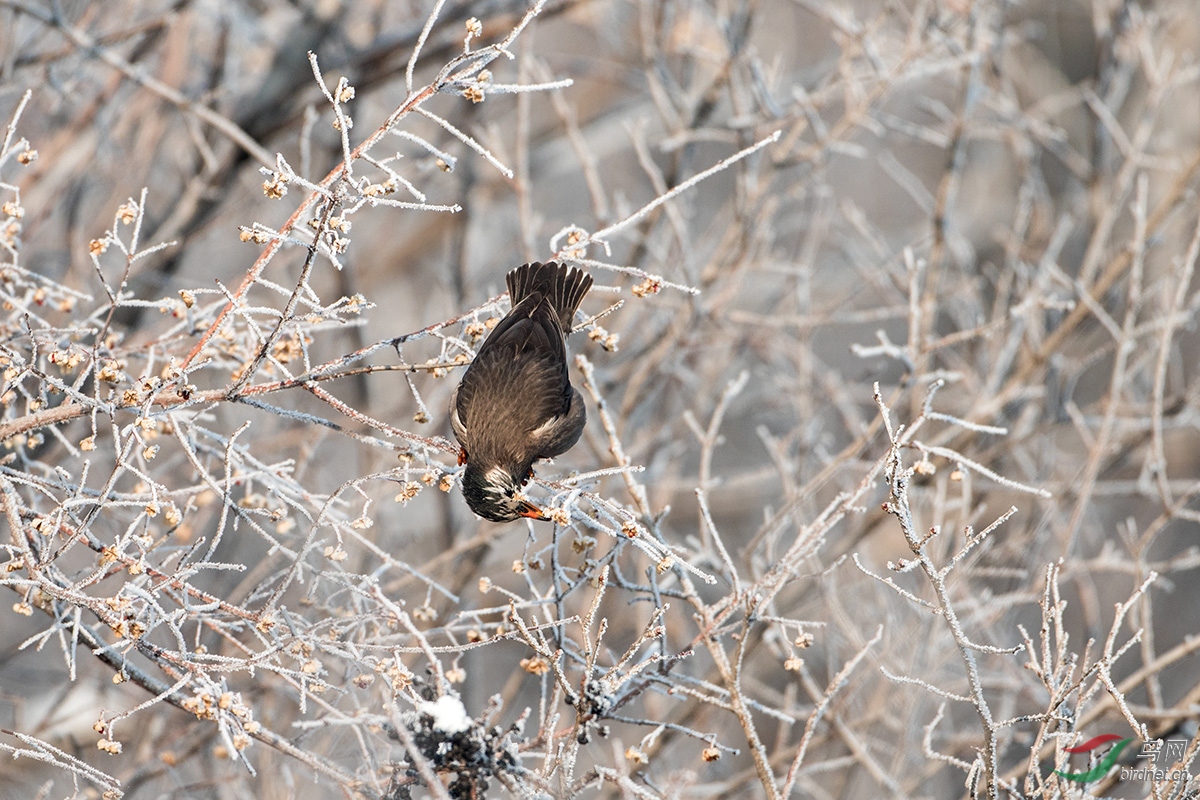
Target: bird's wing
x: 456, y: 423
x: 558, y: 435
x: 517, y: 382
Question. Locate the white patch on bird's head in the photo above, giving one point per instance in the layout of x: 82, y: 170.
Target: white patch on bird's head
x: 499, y: 482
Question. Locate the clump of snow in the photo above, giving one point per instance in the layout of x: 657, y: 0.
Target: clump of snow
x: 449, y: 714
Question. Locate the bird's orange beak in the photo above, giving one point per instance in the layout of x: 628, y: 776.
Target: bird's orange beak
x: 528, y: 509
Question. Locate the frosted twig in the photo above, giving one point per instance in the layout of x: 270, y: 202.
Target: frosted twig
x: 604, y: 233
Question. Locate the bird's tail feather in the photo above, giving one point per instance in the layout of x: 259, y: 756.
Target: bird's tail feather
x: 564, y: 286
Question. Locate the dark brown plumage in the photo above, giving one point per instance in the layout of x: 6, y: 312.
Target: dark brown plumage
x: 515, y: 403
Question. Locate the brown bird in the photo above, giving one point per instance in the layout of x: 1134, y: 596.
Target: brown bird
x: 515, y: 403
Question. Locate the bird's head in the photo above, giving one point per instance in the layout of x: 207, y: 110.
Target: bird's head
x: 495, y: 493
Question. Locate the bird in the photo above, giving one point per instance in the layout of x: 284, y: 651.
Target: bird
x: 515, y: 403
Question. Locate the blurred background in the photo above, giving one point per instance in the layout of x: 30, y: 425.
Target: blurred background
x: 996, y: 198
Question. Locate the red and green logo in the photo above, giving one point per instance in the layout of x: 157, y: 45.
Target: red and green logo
x: 1100, y: 770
